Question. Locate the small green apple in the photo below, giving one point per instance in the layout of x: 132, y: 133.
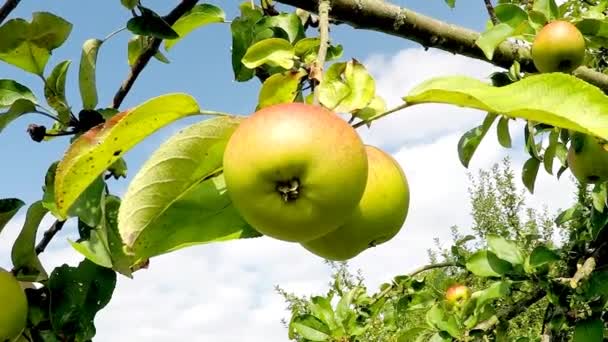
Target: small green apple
x: 587, y: 159
x: 558, y: 47
x: 13, y: 307
x: 457, y: 295
x: 379, y: 216
x: 295, y: 171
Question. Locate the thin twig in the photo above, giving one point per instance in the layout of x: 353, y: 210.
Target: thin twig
x: 147, y: 54
x: 491, y: 11
x: 386, y: 17
x: 414, y: 273
x: 7, y: 8
x: 48, y: 236
x: 381, y: 115
x: 316, y: 72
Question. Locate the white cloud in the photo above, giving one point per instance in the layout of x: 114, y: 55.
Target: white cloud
x: 225, y: 292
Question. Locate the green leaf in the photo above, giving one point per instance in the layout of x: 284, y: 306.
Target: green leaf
x: 490, y: 39
x: 437, y: 318
x: 311, y: 328
x: 77, y: 294
x: 504, y: 249
x: 529, y: 173
x: 502, y: 130
x: 11, y: 91
x: 24, y: 256
x: 362, y: 88
x: 599, y: 195
x: 499, y: 289
x: 343, y: 309
x: 271, y: 51
x: 548, y: 158
x: 149, y: 23
x: 8, y: 208
x: 242, y: 29
x: 547, y: 7
x: 542, y: 255
x: 468, y: 143
x: 589, y: 330
x: 412, y: 334
x: 93, y: 152
x: 526, y: 99
x: 332, y: 89
x: 29, y: 45
x: 104, y: 246
x: 87, y: 73
x: 129, y: 4
x: 178, y: 198
x: 88, y: 205
x: 487, y: 264
x: 280, y: 88
x: 199, y: 16
x: 375, y: 107
x: 54, y: 91
x: 320, y: 307
x: 510, y: 14
x: 19, y: 107
x: 598, y: 284
x: 137, y: 45
x: 289, y: 23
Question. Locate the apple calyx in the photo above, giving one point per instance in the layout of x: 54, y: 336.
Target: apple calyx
x: 289, y: 190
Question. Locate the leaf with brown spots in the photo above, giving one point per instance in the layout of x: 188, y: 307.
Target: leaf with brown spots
x: 96, y: 150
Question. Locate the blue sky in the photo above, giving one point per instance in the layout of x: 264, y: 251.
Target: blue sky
x: 202, y: 293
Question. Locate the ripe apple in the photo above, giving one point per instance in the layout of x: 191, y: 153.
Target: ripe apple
x: 457, y: 294
x: 587, y: 159
x: 379, y: 216
x: 558, y: 47
x: 13, y: 307
x: 295, y: 171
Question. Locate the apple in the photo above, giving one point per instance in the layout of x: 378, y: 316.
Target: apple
x: 558, y: 47
x: 13, y: 307
x: 587, y: 159
x: 457, y: 294
x: 295, y: 171
x: 379, y: 216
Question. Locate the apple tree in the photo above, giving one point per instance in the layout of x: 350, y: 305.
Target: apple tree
x: 296, y: 168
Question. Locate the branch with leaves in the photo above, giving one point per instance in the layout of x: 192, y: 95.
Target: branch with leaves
x: 391, y: 19
x: 149, y: 52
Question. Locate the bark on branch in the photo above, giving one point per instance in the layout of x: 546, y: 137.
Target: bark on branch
x: 7, y: 8
x: 391, y: 19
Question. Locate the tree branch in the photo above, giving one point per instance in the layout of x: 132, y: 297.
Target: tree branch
x: 512, y: 311
x: 317, y: 68
x: 491, y: 11
x: 391, y: 19
x: 7, y: 8
x: 147, y: 54
x: 414, y: 273
x: 433, y: 266
x: 48, y: 236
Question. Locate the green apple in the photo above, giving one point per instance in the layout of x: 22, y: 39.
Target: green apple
x: 13, y: 307
x: 379, y: 216
x: 295, y: 171
x: 587, y: 159
x: 457, y: 295
x: 558, y: 47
